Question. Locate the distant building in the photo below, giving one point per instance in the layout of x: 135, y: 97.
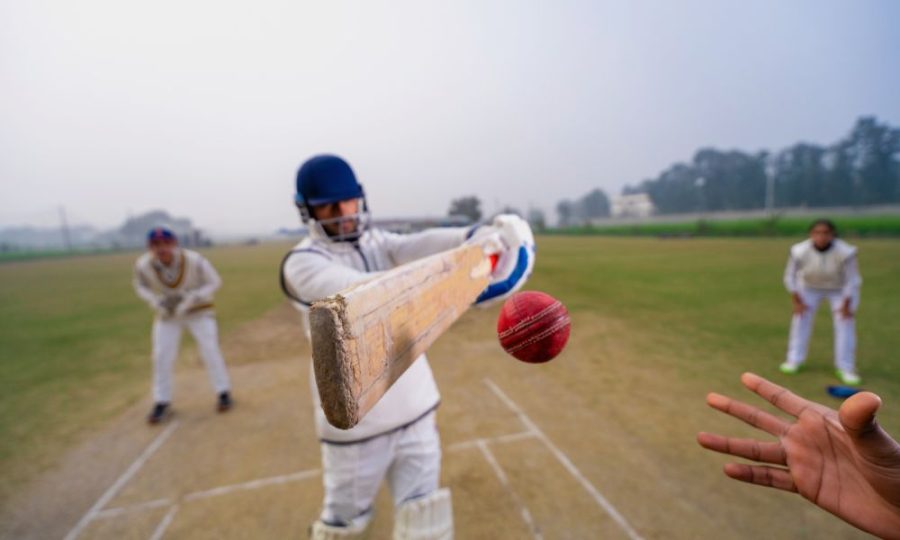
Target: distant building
x: 637, y: 205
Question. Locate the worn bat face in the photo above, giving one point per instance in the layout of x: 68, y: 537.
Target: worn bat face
x: 366, y: 336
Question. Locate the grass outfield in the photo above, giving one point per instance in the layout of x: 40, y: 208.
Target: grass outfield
x: 74, y: 340
x: 75, y: 344
x: 718, y: 304
x: 32, y: 255
x: 853, y: 226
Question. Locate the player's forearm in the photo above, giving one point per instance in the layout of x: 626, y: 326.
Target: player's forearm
x: 312, y: 280
x: 204, y: 293
x: 414, y: 246
x: 146, y: 294
x: 852, y: 279
x: 211, y: 283
x: 790, y: 276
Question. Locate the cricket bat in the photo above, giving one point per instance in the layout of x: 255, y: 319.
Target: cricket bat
x: 365, y: 336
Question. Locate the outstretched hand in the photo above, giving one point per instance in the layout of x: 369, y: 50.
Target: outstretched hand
x: 842, y: 461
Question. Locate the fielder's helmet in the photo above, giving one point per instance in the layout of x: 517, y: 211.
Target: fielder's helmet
x: 160, y: 233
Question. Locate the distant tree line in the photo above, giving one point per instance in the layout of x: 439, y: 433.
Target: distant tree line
x: 594, y: 204
x: 470, y: 208
x: 131, y: 234
x: 863, y: 168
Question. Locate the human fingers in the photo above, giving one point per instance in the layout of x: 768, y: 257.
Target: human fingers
x: 752, y: 415
x: 857, y: 413
x: 857, y: 416
x: 778, y: 396
x: 761, y: 475
x: 766, y: 452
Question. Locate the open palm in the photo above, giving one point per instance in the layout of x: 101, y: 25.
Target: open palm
x: 841, y: 461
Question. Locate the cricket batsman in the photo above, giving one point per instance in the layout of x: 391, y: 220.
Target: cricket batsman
x: 823, y: 268
x: 178, y: 285
x: 398, y: 438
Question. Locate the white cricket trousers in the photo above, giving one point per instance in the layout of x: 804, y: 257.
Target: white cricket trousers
x: 166, y: 340
x: 844, y: 329
x: 409, y: 457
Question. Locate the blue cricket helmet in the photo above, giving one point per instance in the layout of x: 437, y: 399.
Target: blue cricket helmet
x: 160, y: 233
x: 326, y: 179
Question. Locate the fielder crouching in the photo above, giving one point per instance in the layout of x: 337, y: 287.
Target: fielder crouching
x: 178, y: 285
x: 398, y: 438
x: 823, y: 268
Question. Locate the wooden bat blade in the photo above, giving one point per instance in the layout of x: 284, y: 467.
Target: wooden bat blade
x: 366, y: 336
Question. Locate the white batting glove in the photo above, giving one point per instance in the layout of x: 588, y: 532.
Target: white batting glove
x: 509, y: 237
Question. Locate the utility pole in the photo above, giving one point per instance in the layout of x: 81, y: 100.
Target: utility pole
x: 67, y: 238
x: 700, y: 184
x: 770, y: 186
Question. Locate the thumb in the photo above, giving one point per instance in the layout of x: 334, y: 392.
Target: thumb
x: 873, y: 444
x: 858, y: 412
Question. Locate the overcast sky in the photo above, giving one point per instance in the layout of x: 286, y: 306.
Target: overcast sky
x: 206, y: 108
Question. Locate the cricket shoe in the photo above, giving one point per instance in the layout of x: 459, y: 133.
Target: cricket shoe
x: 848, y: 377
x: 788, y: 368
x: 160, y: 413
x: 225, y: 402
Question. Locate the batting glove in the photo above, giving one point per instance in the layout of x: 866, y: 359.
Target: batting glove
x: 510, y: 243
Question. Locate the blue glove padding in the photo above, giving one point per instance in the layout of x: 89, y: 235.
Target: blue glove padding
x: 515, y: 242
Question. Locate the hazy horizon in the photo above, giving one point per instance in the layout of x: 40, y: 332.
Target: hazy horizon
x: 205, y: 110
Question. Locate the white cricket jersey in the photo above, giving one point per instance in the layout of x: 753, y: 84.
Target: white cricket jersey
x: 834, y: 269
x: 190, y: 275
x: 318, y: 267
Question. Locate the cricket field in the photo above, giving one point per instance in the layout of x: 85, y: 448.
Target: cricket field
x: 598, y: 443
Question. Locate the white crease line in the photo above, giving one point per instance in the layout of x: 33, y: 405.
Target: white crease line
x: 113, y: 512
x: 122, y: 480
x: 223, y: 490
x: 566, y: 462
x: 164, y: 523
x: 253, y: 484
x: 512, y: 437
x: 526, y: 515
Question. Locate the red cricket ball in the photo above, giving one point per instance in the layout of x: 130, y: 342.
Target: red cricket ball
x: 533, y: 326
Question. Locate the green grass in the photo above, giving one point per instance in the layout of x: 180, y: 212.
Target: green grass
x: 33, y: 255
x: 713, y: 308
x: 75, y: 343
x: 854, y: 226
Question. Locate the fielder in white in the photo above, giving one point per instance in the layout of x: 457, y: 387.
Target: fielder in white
x: 178, y: 285
x: 823, y: 268
x: 398, y: 438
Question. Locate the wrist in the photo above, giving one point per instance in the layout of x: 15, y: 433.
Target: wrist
x: 887, y: 527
